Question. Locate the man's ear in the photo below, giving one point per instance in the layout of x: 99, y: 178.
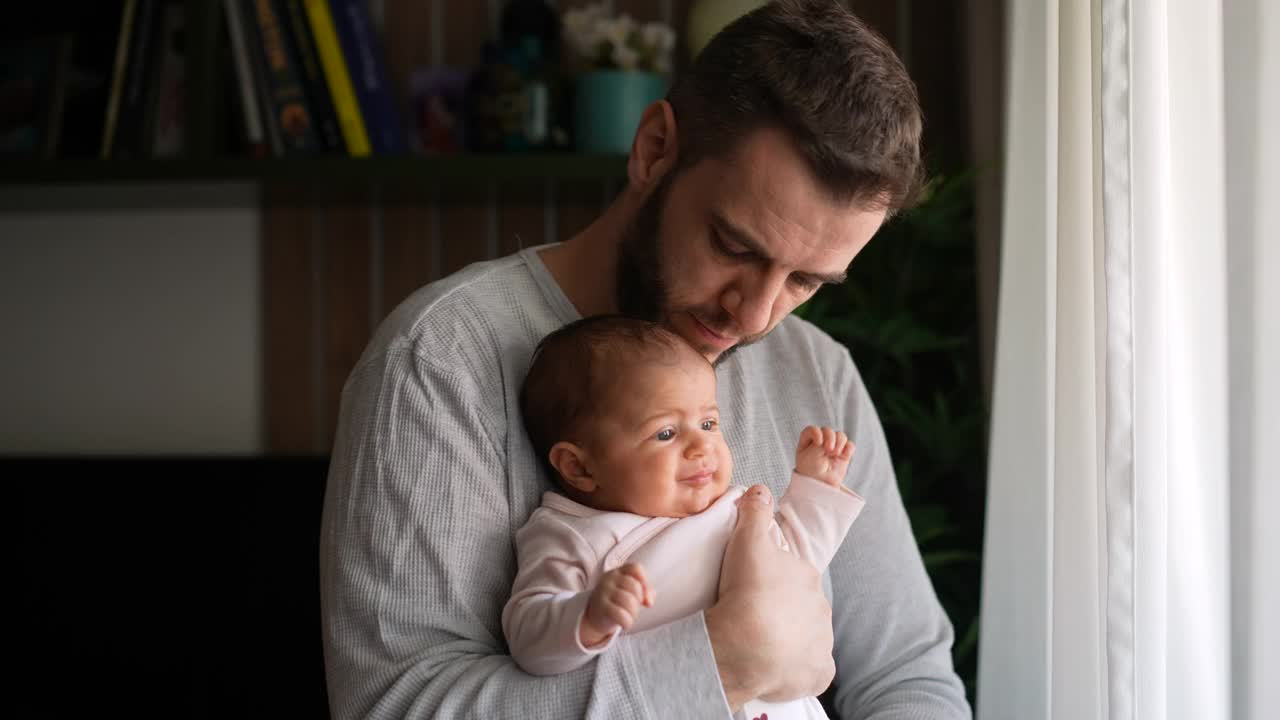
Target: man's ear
x: 654, y: 151
x: 570, y: 461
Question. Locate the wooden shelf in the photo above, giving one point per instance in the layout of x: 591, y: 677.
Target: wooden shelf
x: 319, y: 171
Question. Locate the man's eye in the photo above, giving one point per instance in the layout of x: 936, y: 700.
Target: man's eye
x: 804, y: 283
x: 727, y: 249
x: 665, y: 434
x: 710, y: 425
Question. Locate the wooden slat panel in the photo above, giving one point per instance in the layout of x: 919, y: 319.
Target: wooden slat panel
x: 680, y: 22
x: 464, y: 226
x: 937, y: 49
x: 881, y: 15
x: 578, y: 204
x: 521, y: 216
x: 466, y: 28
x: 407, y: 33
x: 464, y: 209
x: 406, y: 211
x: 347, y: 253
x: 290, y: 383
x: 406, y: 244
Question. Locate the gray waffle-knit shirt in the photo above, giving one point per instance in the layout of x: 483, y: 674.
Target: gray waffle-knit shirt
x: 432, y: 474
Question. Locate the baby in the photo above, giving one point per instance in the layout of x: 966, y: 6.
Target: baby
x: 624, y: 414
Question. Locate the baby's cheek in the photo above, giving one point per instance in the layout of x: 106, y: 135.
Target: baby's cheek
x: 726, y: 463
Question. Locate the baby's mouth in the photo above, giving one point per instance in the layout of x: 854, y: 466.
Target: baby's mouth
x: 699, y: 479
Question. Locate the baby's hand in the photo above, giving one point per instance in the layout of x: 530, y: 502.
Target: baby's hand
x: 614, y: 603
x: 824, y: 454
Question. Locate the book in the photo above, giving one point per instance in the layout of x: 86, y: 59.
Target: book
x: 121, y: 66
x: 336, y: 76
x: 369, y: 75
x: 285, y: 93
x: 326, y: 120
x: 95, y: 31
x: 127, y: 138
x: 166, y: 122
x: 254, y: 133
x: 58, y: 96
x: 261, y: 88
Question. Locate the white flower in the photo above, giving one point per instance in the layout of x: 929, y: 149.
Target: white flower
x: 619, y: 30
x: 619, y: 41
x: 583, y: 27
x: 625, y: 57
x: 659, y: 37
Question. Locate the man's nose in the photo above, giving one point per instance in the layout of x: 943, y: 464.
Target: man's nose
x: 750, y: 302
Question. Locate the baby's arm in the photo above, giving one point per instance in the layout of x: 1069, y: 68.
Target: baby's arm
x: 549, y: 597
x: 817, y: 510
x: 553, y: 621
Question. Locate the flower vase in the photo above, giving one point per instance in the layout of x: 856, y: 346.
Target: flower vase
x: 607, y: 108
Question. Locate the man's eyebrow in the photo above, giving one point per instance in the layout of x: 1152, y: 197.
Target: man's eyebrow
x: 745, y: 239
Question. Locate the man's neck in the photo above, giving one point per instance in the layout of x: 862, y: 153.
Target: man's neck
x: 583, y: 266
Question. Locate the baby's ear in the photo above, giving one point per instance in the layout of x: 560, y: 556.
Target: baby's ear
x: 570, y: 461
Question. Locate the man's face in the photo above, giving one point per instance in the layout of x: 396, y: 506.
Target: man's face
x: 723, y: 251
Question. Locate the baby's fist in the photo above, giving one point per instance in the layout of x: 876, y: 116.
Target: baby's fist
x: 614, y: 603
x: 824, y: 454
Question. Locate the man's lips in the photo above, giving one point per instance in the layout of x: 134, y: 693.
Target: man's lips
x: 710, y: 336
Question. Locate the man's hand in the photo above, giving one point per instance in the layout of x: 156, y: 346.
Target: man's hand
x: 614, y: 603
x: 824, y: 454
x: 771, y: 627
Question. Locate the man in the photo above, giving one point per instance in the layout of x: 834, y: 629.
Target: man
x: 768, y: 168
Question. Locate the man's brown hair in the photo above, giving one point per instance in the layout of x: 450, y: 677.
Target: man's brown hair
x: 814, y: 70
x: 574, y: 372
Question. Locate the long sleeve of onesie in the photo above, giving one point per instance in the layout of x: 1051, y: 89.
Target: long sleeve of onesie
x: 549, y: 597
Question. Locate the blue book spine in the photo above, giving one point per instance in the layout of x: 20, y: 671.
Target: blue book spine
x: 369, y: 75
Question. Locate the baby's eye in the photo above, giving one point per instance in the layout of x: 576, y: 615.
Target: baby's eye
x: 710, y: 425
x: 665, y: 434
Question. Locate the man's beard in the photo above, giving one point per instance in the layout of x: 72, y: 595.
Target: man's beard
x: 641, y: 289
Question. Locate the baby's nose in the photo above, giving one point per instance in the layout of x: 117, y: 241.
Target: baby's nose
x: 696, y: 448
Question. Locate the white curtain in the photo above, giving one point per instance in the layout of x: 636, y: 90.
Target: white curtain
x: 1134, y: 427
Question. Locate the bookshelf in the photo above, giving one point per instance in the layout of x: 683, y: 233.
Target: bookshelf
x: 212, y: 147
x: 326, y: 170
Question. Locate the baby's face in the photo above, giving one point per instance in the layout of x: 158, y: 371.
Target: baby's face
x: 657, y: 450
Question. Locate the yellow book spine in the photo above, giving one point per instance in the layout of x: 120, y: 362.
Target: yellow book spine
x: 335, y: 72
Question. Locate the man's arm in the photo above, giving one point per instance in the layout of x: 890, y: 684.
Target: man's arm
x: 417, y: 561
x: 892, y: 638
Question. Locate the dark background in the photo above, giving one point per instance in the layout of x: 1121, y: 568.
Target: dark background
x: 177, y: 587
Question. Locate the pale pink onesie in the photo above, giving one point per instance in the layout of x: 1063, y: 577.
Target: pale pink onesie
x: 565, y: 547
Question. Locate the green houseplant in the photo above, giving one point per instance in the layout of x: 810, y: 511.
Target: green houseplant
x: 908, y: 315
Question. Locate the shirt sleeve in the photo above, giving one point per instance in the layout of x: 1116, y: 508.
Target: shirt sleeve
x: 417, y: 561
x: 892, y: 638
x: 549, y: 598
x: 814, y: 517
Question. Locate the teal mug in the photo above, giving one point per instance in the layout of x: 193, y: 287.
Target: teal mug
x: 607, y: 108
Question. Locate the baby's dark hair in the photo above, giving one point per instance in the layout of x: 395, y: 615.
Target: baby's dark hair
x: 573, y: 372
